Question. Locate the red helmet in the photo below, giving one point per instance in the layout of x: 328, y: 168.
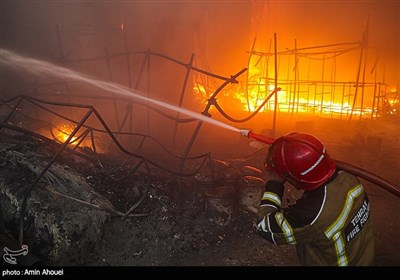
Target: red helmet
x: 301, y: 159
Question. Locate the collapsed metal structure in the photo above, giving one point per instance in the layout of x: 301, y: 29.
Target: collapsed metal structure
x: 83, y: 130
x: 24, y: 108
x: 323, y: 96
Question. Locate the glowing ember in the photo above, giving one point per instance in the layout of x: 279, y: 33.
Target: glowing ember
x: 64, y: 132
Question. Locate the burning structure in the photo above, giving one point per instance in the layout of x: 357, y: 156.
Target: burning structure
x: 118, y: 112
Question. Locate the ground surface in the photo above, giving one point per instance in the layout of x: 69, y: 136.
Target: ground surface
x: 177, y: 230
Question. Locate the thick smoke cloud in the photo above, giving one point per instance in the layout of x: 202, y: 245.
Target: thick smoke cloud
x: 219, y: 32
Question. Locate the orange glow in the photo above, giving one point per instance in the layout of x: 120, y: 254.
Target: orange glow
x: 258, y: 91
x: 395, y: 105
x: 63, y: 133
x: 200, y: 92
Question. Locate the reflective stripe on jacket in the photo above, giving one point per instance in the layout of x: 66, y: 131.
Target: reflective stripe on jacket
x: 330, y: 225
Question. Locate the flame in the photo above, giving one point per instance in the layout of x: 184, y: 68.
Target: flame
x: 394, y: 105
x: 258, y: 90
x: 200, y: 91
x: 64, y: 132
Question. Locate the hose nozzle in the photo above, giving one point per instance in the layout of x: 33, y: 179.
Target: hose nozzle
x: 259, y: 137
x: 245, y: 132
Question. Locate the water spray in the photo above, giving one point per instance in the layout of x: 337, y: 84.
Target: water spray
x: 38, y: 67
x: 47, y: 69
x: 352, y: 169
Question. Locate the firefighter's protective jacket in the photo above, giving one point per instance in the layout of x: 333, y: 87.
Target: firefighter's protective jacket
x: 330, y: 225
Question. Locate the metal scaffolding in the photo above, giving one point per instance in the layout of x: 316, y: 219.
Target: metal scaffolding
x: 327, y: 96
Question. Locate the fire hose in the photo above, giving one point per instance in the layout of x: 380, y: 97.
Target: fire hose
x: 355, y: 170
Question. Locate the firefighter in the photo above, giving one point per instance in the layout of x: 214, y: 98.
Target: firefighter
x: 330, y: 225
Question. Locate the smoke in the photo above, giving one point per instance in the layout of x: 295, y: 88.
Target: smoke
x: 315, y: 23
x: 43, y: 68
x: 219, y: 33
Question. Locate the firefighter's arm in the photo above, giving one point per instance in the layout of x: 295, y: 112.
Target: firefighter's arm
x: 271, y: 200
x: 270, y: 205
x: 284, y: 226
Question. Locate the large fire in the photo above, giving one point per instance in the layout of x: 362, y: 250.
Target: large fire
x: 257, y: 88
